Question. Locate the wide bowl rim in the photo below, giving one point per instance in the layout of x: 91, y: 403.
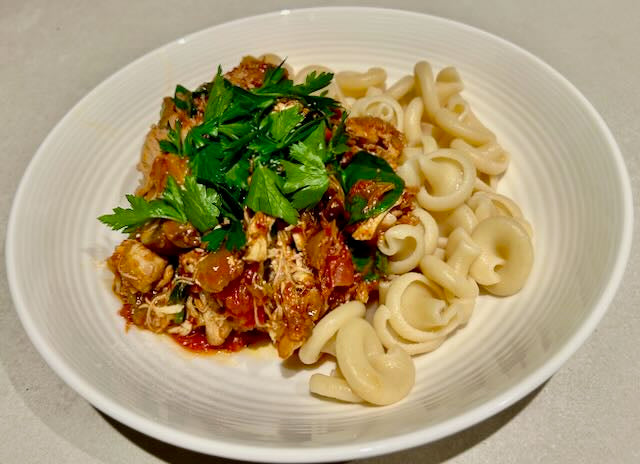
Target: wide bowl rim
x: 348, y: 451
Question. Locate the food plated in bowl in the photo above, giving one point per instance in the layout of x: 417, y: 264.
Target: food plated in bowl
x: 267, y: 206
x: 509, y: 345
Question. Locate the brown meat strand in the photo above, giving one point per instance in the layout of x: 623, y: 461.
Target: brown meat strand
x: 302, y: 307
x: 257, y: 233
x: 188, y: 262
x: 155, y: 164
x: 249, y: 74
x: 375, y: 136
x: 163, y: 166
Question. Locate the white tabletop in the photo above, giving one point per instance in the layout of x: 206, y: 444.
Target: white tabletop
x: 53, y: 53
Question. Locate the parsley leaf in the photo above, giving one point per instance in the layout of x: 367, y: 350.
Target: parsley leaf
x: 238, y: 175
x: 200, y: 204
x: 281, y: 123
x: 277, y: 130
x: 140, y: 212
x: 308, y: 180
x: 232, y: 234
x: 314, y: 146
x: 194, y: 202
x: 232, y: 199
x: 183, y: 99
x: 179, y: 317
x: 235, y: 238
x: 264, y: 195
x: 207, y: 164
x: 338, y: 142
x: 367, y: 167
x: 173, y: 144
x: 307, y: 183
x: 274, y: 82
x: 215, y: 238
x: 313, y: 82
x: 179, y: 293
x: 372, y: 264
x: 173, y: 196
x: 220, y: 96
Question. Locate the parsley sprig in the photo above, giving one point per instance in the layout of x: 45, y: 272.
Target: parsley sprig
x: 270, y: 149
x: 193, y: 202
x: 273, y: 135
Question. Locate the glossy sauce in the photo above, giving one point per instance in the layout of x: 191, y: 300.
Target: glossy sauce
x: 196, y: 341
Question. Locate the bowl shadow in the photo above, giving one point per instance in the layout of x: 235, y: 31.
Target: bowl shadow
x: 431, y: 453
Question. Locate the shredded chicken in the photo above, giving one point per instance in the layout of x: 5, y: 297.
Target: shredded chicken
x: 258, y: 236
x: 375, y: 136
x: 297, y: 300
x: 367, y: 229
x: 156, y: 165
x: 217, y: 327
x: 286, y: 277
x: 249, y: 74
x: 136, y: 267
x: 163, y: 166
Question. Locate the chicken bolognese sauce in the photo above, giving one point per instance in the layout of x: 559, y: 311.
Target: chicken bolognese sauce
x: 259, y: 211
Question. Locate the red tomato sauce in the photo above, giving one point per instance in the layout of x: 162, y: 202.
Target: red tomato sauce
x: 196, y: 341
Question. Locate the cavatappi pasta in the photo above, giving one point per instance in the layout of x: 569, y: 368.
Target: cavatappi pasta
x: 464, y: 237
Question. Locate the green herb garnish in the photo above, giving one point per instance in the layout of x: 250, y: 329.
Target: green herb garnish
x: 372, y: 264
x: 367, y: 167
x: 179, y: 293
x: 193, y: 202
x: 307, y: 179
x: 232, y: 234
x: 269, y: 149
x: 183, y: 99
x: 200, y: 204
x: 264, y: 195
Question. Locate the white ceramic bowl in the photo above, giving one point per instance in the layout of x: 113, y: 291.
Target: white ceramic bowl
x: 567, y: 174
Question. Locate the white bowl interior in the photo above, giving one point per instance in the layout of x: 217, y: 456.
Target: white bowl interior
x: 566, y: 174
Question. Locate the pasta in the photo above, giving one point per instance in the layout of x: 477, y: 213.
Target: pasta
x: 506, y: 255
x: 414, y: 314
x: 449, y: 178
x: 464, y: 236
x: 404, y: 245
x: 365, y: 371
x: 327, y: 328
x: 452, y: 273
x: 356, y: 84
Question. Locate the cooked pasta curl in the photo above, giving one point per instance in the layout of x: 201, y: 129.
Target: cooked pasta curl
x: 459, y: 237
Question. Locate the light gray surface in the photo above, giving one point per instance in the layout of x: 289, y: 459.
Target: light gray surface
x: 52, y: 53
